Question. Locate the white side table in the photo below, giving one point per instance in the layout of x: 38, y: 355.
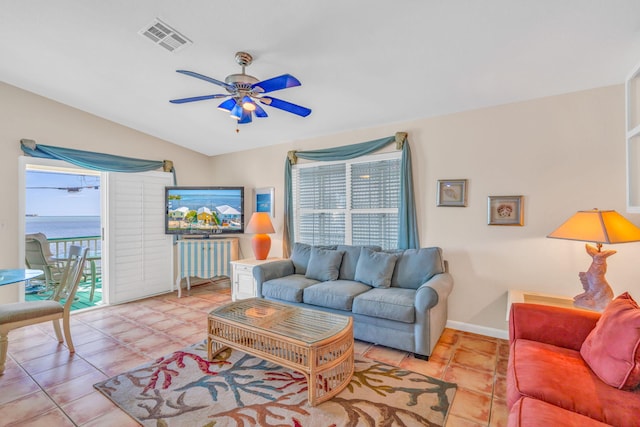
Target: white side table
x: 243, y: 285
x: 516, y: 295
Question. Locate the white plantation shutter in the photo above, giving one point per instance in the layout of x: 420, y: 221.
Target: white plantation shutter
x: 140, y: 254
x: 348, y: 202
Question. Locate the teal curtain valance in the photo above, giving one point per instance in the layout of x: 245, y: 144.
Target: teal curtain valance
x: 95, y: 161
x: 407, y: 230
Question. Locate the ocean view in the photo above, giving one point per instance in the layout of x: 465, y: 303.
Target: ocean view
x: 56, y: 227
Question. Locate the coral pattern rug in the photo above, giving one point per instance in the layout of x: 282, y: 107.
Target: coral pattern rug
x: 236, y: 389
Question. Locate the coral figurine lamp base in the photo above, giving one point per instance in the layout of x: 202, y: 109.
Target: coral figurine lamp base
x: 598, y: 227
x: 260, y: 225
x: 261, y: 244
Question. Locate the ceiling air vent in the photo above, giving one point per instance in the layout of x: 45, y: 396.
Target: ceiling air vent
x: 165, y: 36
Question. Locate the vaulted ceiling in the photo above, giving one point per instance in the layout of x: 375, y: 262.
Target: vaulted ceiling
x: 361, y: 63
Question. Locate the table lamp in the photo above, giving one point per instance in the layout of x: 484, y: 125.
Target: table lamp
x: 260, y: 225
x: 597, y: 227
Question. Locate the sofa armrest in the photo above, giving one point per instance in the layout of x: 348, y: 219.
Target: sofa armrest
x: 432, y: 291
x: 431, y: 312
x: 271, y: 270
x: 559, y: 326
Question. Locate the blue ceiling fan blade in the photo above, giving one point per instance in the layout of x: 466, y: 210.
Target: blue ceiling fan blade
x: 197, y: 98
x: 207, y: 79
x: 260, y: 111
x: 276, y: 83
x: 227, y: 105
x: 237, y: 112
x: 246, y: 117
x: 286, y: 106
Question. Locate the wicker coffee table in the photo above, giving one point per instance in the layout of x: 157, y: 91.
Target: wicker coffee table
x: 317, y: 344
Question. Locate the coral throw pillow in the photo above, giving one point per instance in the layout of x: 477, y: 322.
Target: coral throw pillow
x: 612, y: 348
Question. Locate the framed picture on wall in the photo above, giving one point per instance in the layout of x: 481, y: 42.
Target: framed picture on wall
x: 452, y: 192
x: 506, y: 210
x: 264, y: 200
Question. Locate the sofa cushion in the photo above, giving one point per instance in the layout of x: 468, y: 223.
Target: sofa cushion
x: 337, y: 294
x: 288, y: 288
x: 415, y: 266
x: 393, y: 304
x: 300, y: 257
x: 536, y: 413
x: 612, y: 349
x: 562, y: 378
x: 350, y: 260
x: 375, y: 268
x: 324, y: 264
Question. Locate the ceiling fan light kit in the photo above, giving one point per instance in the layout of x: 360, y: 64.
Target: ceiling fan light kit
x: 245, y: 91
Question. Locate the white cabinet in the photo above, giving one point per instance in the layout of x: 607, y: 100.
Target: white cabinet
x: 205, y: 258
x: 242, y: 283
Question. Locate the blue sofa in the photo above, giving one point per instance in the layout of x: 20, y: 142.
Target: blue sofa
x: 396, y: 298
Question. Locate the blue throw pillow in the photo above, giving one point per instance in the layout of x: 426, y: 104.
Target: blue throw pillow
x: 300, y: 257
x: 416, y: 266
x: 375, y: 268
x: 350, y: 260
x: 324, y: 264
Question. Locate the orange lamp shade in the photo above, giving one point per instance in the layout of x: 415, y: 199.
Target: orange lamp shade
x: 260, y: 224
x: 598, y: 227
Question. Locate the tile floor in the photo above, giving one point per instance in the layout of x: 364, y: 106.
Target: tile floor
x: 44, y: 385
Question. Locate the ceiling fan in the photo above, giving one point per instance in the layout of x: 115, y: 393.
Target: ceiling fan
x: 245, y: 91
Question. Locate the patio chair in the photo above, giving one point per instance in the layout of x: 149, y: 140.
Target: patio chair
x: 19, y: 314
x: 35, y: 258
x: 46, y: 247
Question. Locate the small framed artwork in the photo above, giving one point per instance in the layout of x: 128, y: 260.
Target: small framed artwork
x: 506, y: 210
x: 264, y: 200
x: 452, y: 192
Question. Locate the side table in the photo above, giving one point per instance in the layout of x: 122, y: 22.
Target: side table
x: 243, y: 285
x: 516, y: 295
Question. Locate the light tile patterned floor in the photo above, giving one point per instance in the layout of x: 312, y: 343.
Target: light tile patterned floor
x: 44, y: 385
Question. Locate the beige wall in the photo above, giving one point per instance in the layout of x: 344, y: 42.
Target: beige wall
x: 563, y: 153
x: 25, y: 115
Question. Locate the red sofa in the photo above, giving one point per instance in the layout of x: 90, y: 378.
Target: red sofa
x: 549, y: 383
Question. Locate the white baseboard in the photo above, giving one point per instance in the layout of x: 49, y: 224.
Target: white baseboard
x: 477, y: 329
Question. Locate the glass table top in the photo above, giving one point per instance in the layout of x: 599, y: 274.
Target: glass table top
x: 15, y: 275
x: 303, y: 324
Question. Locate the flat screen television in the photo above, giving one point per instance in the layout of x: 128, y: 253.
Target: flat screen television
x: 204, y: 211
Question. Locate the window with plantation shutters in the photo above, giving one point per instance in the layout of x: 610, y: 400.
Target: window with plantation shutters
x: 348, y: 202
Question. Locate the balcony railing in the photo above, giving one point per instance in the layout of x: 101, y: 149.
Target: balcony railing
x: 60, y: 247
x: 93, y: 268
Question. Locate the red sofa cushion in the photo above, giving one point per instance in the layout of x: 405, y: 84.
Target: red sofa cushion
x: 536, y: 413
x: 612, y: 349
x: 561, y: 377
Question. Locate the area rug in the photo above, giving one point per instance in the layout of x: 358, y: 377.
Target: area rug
x: 236, y: 389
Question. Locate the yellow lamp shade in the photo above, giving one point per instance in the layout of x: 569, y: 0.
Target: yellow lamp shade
x: 598, y: 227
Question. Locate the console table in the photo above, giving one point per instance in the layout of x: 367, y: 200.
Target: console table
x: 204, y: 258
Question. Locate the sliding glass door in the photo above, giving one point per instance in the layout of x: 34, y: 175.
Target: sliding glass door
x: 120, y: 216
